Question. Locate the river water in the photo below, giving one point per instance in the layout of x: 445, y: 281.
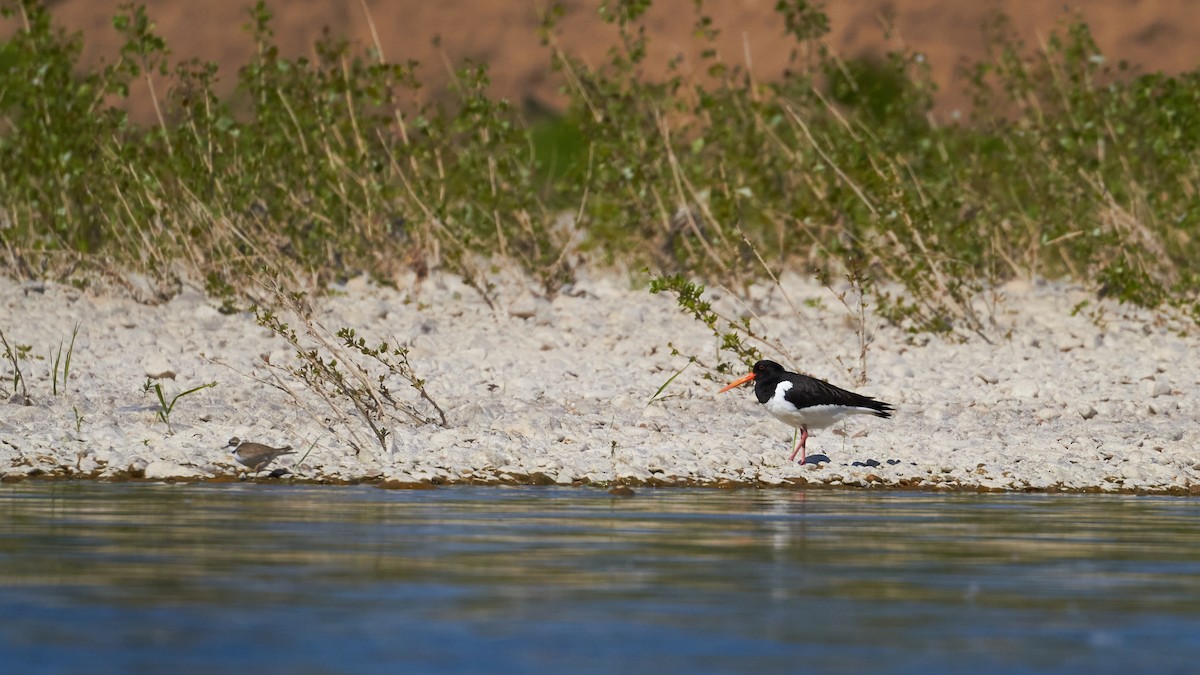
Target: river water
x: 134, y: 578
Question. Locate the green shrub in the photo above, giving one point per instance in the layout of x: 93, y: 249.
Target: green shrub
x: 335, y: 166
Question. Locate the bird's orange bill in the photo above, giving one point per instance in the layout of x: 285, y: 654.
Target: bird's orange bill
x: 737, y: 383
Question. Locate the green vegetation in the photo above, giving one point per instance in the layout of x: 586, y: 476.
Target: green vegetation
x: 14, y: 354
x: 61, y: 364
x: 334, y: 166
x: 165, y: 408
x: 343, y: 368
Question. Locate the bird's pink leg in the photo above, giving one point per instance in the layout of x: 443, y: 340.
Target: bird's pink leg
x: 800, y: 446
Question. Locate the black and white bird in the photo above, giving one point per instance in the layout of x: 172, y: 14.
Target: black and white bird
x: 255, y: 456
x: 805, y: 402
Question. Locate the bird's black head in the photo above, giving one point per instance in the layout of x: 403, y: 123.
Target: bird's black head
x: 766, y: 367
x: 764, y: 375
x: 767, y: 376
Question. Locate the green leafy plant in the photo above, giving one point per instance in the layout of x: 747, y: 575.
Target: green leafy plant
x: 657, y: 394
x: 394, y: 359
x: 732, y: 335
x: 329, y: 368
x: 13, y: 354
x: 64, y: 362
x: 165, y: 408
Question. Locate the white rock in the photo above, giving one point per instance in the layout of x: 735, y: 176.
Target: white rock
x: 1047, y: 414
x: 1024, y: 389
x: 158, y: 366
x: 988, y: 376
x: 1154, y: 388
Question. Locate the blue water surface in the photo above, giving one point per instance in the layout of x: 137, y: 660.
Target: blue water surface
x: 144, y: 578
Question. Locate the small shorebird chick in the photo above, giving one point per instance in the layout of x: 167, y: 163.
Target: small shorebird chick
x: 255, y: 456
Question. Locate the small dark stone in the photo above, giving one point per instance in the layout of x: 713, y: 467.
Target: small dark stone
x: 893, y: 462
x: 816, y: 459
x: 621, y: 491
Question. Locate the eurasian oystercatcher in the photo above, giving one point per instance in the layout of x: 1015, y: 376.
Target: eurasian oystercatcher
x: 255, y: 456
x: 805, y: 402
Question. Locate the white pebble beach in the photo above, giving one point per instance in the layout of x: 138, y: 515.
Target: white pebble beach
x: 558, y: 390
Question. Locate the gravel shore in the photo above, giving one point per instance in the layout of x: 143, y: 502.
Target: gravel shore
x: 557, y: 391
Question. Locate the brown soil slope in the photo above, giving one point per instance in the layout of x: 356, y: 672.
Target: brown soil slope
x: 1152, y: 34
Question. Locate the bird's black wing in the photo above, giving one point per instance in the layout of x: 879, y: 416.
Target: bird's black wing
x: 809, y: 391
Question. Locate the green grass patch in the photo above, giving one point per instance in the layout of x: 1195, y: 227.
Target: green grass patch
x: 337, y: 165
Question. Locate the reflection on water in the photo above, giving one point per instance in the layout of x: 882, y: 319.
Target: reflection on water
x: 129, y: 578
